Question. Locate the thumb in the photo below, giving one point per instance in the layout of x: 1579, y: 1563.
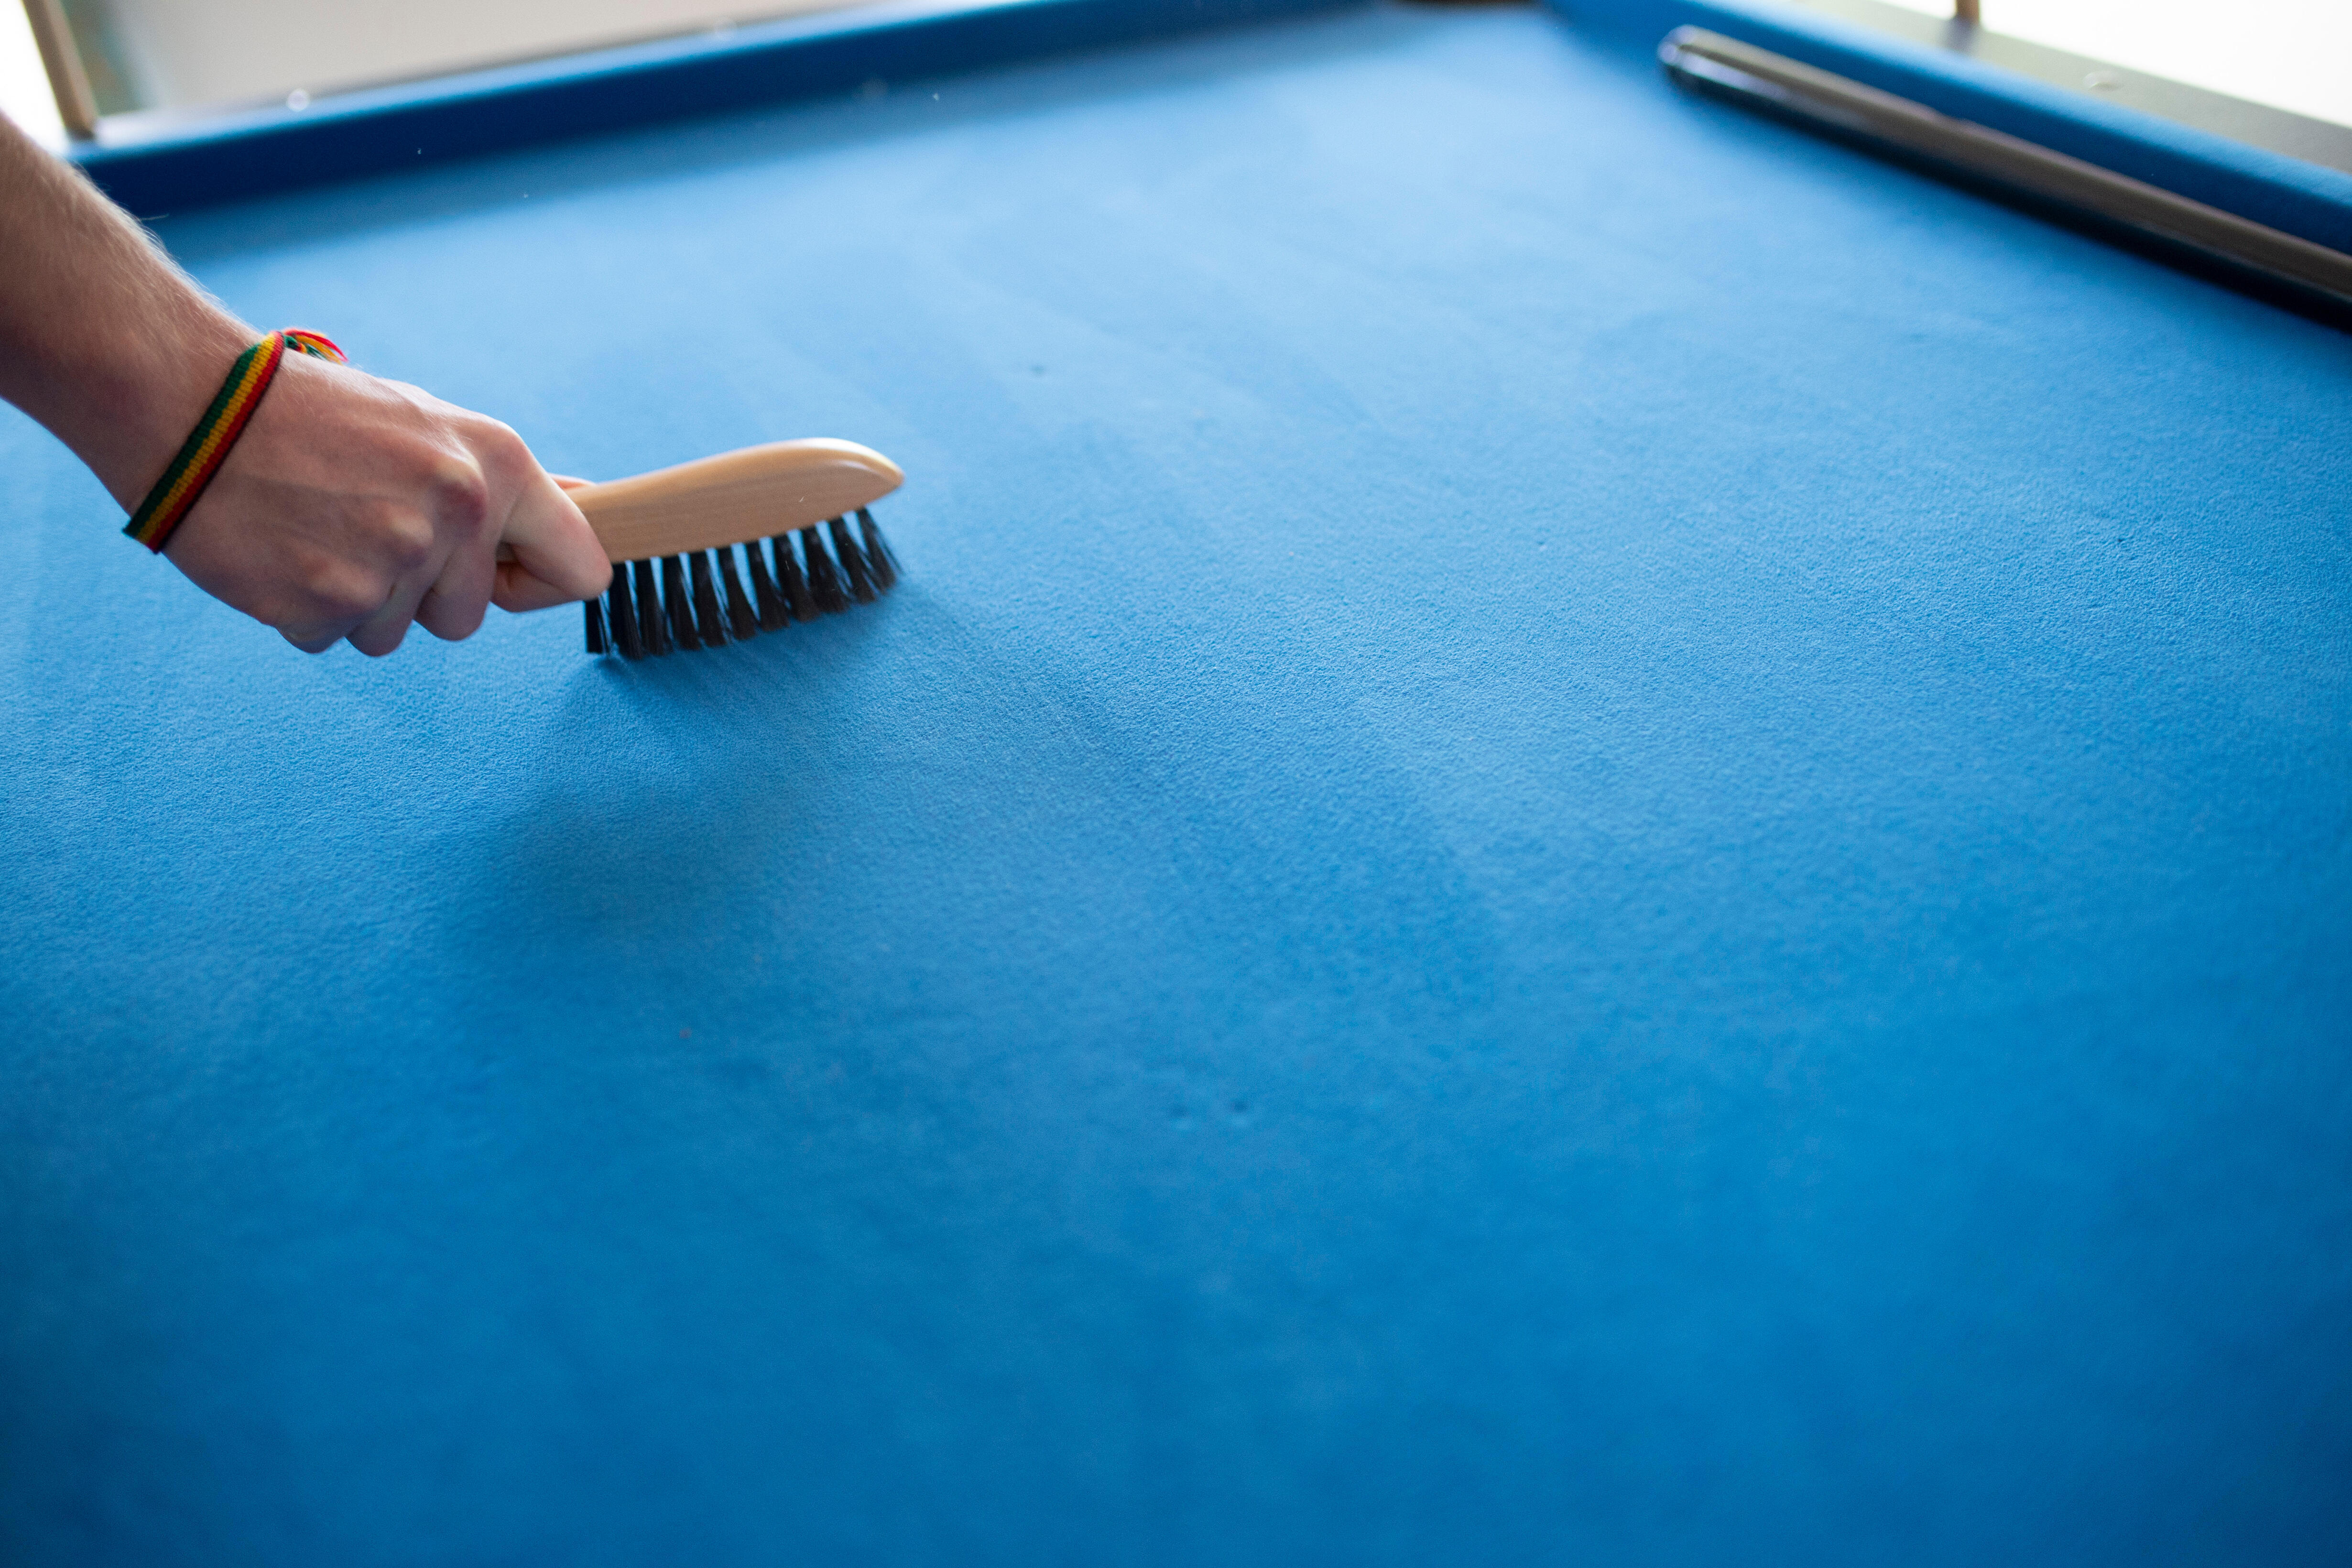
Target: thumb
x: 557, y: 556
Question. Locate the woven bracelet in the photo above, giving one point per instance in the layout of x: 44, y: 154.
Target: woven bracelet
x: 208, y: 444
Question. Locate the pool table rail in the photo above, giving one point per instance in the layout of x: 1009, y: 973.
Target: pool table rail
x: 2314, y: 279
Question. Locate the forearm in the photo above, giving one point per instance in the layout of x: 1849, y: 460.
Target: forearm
x: 349, y: 506
x: 102, y: 338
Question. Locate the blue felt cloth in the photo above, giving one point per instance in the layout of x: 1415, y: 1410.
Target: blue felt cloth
x: 1591, y: 835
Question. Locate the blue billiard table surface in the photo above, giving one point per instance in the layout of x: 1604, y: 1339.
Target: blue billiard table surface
x: 1588, y: 833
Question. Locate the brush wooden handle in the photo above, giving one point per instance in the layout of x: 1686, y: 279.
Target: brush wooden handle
x: 733, y: 498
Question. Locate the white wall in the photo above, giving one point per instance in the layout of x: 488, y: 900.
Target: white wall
x: 185, y: 52
x: 2296, y: 54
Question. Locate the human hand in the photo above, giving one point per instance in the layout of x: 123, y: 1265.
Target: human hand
x: 352, y: 507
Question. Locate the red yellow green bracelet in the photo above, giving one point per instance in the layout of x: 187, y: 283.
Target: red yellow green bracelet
x: 208, y: 444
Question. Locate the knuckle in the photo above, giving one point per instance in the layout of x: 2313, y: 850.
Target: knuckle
x: 461, y: 495
x: 337, y: 591
x: 411, y: 543
x: 501, y: 450
x: 402, y: 535
x: 498, y: 437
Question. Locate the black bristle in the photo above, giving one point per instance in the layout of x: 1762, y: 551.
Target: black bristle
x: 674, y: 599
x: 682, y: 602
x: 773, y: 617
x: 878, y: 559
x: 653, y: 626
x: 853, y: 561
x: 789, y: 584
x: 742, y: 619
x: 622, y: 617
x: 825, y: 585
x: 711, y: 622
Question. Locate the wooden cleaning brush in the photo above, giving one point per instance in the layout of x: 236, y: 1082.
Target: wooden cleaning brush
x: 673, y: 537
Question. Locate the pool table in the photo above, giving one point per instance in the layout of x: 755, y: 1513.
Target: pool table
x: 1588, y: 833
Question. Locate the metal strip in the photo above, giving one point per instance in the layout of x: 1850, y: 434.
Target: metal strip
x: 1711, y: 63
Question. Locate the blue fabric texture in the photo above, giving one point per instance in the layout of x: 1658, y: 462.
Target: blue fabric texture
x: 2308, y: 200
x: 1590, y: 833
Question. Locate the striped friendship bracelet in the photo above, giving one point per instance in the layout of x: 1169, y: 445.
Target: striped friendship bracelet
x: 208, y: 444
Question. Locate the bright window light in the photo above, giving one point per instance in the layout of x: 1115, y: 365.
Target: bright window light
x: 25, y: 95
x: 2291, y: 54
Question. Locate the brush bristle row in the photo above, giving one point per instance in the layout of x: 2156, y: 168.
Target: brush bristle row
x: 878, y: 559
x: 789, y: 581
x: 711, y: 625
x: 773, y: 617
x: 679, y: 605
x: 853, y: 561
x: 700, y: 601
x: 742, y: 620
x: 652, y: 625
x: 620, y: 613
x: 825, y: 583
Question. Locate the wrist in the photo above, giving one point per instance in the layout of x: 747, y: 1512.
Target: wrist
x: 136, y: 394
